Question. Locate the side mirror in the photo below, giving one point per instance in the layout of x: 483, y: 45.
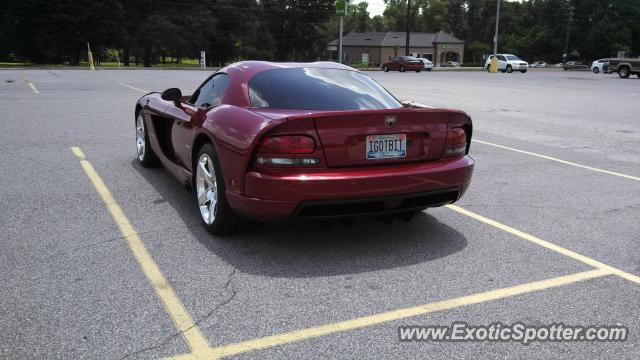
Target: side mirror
x: 172, y: 94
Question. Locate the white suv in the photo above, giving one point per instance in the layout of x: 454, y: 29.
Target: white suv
x: 508, y: 63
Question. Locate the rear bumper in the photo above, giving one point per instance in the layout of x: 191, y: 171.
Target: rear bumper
x: 353, y: 191
x: 520, y: 67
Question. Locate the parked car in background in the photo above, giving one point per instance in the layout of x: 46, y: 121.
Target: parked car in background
x: 600, y: 66
x: 574, y: 65
x: 538, y: 64
x: 451, y: 64
x: 625, y: 67
x: 508, y: 63
x: 428, y: 64
x: 403, y: 63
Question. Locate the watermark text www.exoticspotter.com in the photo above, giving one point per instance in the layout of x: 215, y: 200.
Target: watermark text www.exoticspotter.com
x: 518, y: 332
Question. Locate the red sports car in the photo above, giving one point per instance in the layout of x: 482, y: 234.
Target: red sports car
x: 282, y: 141
x: 403, y: 63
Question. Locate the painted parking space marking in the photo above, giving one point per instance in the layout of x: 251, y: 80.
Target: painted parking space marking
x: 365, y: 321
x: 31, y: 85
x: 134, y: 88
x: 174, y: 307
x: 551, y: 246
x: 200, y: 348
x: 558, y: 160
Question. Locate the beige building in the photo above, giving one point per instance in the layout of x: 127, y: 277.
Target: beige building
x: 380, y: 47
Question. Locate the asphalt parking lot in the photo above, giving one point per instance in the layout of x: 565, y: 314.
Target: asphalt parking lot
x: 103, y: 259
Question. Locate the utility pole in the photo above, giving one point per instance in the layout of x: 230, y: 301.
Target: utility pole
x: 566, y: 38
x: 406, y: 46
x: 341, y: 10
x: 340, y: 40
x: 495, y: 37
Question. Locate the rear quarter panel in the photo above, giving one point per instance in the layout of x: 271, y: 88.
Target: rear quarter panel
x: 234, y: 132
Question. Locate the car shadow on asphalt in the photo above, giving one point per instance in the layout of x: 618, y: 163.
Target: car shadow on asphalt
x: 309, y: 249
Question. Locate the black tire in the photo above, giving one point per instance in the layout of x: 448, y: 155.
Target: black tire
x: 429, y: 69
x: 509, y: 69
x: 624, y: 72
x: 402, y: 69
x: 385, y: 68
x: 596, y: 70
x: 638, y: 75
x: 417, y: 71
x: 147, y: 157
x: 226, y: 221
x: 523, y: 71
x: 488, y: 68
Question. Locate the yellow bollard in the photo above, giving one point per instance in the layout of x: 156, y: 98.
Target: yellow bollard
x: 494, y: 65
x: 90, y: 58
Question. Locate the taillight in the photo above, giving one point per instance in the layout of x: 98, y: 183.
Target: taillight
x: 456, y: 142
x: 287, y: 144
x: 286, y: 150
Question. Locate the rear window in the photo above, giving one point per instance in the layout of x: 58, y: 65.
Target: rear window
x: 318, y: 89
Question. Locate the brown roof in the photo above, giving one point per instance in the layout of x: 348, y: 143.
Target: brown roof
x: 394, y: 38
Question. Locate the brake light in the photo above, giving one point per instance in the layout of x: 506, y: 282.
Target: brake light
x: 287, y: 144
x: 286, y: 150
x: 456, y: 142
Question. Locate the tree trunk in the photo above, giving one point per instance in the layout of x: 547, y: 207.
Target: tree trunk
x: 125, y: 56
x: 147, y: 57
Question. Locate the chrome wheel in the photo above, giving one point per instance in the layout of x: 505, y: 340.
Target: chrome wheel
x: 207, y: 189
x: 140, y: 136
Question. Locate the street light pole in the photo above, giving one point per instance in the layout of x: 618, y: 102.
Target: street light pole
x: 406, y: 46
x: 566, y: 38
x: 495, y: 37
x: 340, y: 40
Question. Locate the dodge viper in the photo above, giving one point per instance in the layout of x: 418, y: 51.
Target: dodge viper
x: 286, y: 141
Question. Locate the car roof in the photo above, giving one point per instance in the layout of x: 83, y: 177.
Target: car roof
x: 253, y: 66
x: 241, y: 72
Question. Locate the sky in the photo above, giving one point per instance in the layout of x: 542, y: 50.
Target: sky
x: 376, y: 7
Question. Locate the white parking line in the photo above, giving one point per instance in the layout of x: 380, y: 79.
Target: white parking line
x: 134, y: 88
x: 559, y: 160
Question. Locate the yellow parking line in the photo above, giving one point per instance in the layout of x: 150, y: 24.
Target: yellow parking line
x: 546, y: 244
x: 33, y: 87
x: 182, y: 319
x: 133, y: 87
x: 559, y: 160
x: 200, y: 348
x: 317, y: 331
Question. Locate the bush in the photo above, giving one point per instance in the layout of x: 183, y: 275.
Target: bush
x: 362, y: 66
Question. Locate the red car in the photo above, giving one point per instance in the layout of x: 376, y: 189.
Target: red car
x: 283, y: 141
x: 403, y: 63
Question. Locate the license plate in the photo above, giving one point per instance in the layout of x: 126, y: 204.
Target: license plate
x: 386, y: 146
